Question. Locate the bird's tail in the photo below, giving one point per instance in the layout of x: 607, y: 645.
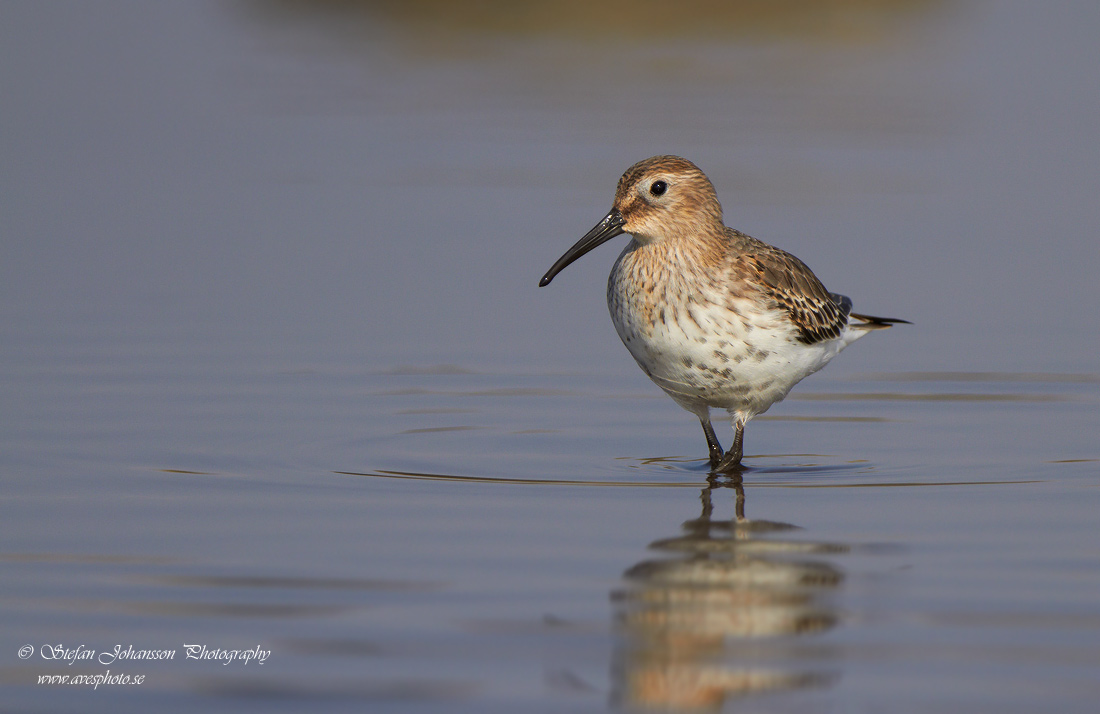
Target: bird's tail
x: 870, y: 322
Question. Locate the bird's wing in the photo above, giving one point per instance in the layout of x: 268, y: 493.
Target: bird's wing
x: 817, y: 314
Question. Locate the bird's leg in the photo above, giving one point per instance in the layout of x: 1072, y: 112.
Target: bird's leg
x: 712, y: 442
x: 731, y: 462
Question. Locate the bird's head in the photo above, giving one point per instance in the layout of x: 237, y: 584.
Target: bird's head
x: 662, y: 198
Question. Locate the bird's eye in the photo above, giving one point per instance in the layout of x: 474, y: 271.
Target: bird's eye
x: 658, y: 188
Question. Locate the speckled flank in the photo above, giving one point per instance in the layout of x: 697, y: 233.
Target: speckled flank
x: 716, y: 318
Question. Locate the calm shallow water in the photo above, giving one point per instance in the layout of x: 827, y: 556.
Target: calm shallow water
x: 275, y: 373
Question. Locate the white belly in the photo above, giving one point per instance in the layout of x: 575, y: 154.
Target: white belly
x: 710, y: 351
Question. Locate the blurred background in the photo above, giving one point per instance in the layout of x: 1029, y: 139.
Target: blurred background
x: 384, y: 182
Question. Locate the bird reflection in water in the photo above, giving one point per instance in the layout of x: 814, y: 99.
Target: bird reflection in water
x: 724, y: 616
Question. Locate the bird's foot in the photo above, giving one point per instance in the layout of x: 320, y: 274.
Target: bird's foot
x: 728, y: 464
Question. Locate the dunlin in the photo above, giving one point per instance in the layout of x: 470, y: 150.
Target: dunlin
x: 716, y: 318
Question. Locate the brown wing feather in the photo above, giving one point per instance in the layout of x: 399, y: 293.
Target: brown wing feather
x: 816, y: 313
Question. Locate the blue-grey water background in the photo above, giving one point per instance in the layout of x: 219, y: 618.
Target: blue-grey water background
x: 274, y: 371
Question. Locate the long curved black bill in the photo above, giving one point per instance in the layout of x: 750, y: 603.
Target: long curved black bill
x: 605, y: 230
